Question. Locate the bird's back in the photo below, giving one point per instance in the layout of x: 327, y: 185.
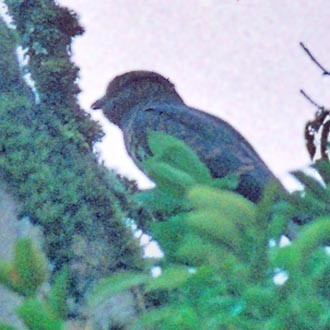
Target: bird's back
x: 218, y: 145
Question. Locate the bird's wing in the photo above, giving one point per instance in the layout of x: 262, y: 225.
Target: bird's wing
x: 216, y: 143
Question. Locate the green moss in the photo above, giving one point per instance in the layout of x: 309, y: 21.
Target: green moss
x: 46, y: 149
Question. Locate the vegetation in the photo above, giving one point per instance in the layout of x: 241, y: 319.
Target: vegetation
x: 25, y: 274
x: 222, y: 255
x: 219, y: 271
x: 46, y: 156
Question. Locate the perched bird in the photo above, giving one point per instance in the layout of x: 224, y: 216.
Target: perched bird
x: 142, y: 101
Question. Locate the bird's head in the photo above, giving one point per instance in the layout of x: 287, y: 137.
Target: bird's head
x: 135, y: 90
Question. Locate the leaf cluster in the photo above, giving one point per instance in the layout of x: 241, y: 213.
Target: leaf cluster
x: 219, y: 269
x: 25, y: 274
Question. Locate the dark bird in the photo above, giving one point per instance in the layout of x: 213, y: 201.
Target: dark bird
x: 142, y: 101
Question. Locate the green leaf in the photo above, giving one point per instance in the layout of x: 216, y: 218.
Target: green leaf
x: 319, y: 270
x: 313, y: 186
x: 37, y: 316
x: 281, y: 214
x: 4, y: 326
x: 6, y: 273
x: 224, y: 215
x: 29, y: 266
x: 159, y: 201
x: 230, y: 182
x: 228, y: 204
x: 171, y: 278
x: 308, y: 205
x: 323, y: 167
x: 179, y: 155
x: 261, y: 302
x: 174, y: 317
x: 57, y: 296
x: 119, y: 282
x: 169, y: 234
x: 213, y: 224
x: 196, y: 251
x: 170, y: 180
x: 311, y: 237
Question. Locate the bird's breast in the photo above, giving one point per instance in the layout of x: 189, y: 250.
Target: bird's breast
x: 136, y: 145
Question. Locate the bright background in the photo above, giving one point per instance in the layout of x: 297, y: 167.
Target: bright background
x: 239, y: 60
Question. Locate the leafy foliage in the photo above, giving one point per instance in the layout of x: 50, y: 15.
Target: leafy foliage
x: 218, y: 267
x: 4, y: 326
x: 27, y: 271
x: 37, y: 316
x: 315, y: 200
x: 25, y: 274
x: 58, y: 294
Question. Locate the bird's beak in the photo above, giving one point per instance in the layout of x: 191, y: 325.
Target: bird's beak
x: 108, y: 107
x: 99, y: 104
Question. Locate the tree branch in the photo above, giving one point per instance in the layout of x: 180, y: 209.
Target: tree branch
x: 310, y: 100
x: 325, y: 71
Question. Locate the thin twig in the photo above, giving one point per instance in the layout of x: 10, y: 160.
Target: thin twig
x: 310, y: 100
x: 325, y: 71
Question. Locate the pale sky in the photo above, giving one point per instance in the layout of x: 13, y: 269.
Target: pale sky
x: 239, y: 60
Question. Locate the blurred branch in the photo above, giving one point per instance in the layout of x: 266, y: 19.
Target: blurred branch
x: 308, y: 98
x: 311, y: 56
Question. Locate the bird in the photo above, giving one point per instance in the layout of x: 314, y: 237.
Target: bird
x: 139, y: 102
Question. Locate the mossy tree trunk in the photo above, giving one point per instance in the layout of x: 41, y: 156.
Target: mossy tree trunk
x: 46, y: 149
